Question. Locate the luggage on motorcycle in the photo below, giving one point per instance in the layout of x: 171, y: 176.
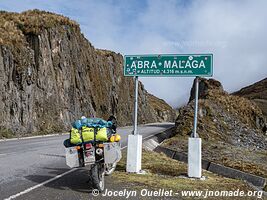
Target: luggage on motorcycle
x: 84, y: 121
x: 77, y: 124
x: 87, y: 126
x: 97, y: 122
x: 88, y: 134
x: 68, y: 144
x: 75, y: 137
x: 72, y: 159
x: 112, y: 123
x: 102, y: 134
x: 115, y: 138
x: 112, y: 152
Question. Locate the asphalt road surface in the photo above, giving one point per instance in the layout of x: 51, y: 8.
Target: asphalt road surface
x: 35, y: 168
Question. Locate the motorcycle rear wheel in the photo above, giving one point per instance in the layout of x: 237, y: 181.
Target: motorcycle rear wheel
x: 97, y: 175
x: 110, y: 168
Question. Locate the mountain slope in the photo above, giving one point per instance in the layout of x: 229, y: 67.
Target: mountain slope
x: 232, y: 128
x: 51, y: 75
x: 256, y: 92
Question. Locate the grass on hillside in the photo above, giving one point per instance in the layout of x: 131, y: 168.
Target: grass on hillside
x: 249, y: 160
x: 163, y: 172
x: 13, y: 25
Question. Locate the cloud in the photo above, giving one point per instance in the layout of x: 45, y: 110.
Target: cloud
x: 234, y: 31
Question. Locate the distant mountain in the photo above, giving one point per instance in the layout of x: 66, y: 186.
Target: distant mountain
x: 51, y: 75
x: 256, y: 92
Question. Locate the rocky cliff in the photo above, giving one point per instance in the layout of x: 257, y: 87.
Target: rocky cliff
x: 51, y: 75
x: 221, y: 114
x: 232, y: 128
x: 256, y: 92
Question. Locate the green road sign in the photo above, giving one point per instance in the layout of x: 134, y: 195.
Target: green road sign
x: 168, y: 65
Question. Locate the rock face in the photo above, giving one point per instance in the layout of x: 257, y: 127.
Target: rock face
x: 51, y: 75
x: 205, y: 85
x: 232, y: 128
x: 256, y: 92
x: 162, y: 110
x: 223, y: 116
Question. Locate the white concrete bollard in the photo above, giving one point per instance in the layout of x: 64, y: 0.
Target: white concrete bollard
x: 134, y: 153
x: 194, y: 158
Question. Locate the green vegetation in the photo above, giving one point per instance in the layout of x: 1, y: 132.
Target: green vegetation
x: 219, y: 114
x: 250, y: 160
x: 245, y: 109
x: 256, y: 92
x: 262, y: 103
x: 231, y: 128
x: 163, y: 172
x: 13, y: 26
x: 5, y: 133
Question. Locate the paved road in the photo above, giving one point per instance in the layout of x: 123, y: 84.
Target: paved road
x: 26, y: 164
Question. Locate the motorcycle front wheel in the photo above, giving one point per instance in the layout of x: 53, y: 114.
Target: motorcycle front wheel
x: 97, y: 176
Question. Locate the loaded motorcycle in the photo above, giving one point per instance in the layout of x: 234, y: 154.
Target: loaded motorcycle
x: 99, y: 157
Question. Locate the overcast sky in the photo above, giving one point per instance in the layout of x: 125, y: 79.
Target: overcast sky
x: 234, y: 31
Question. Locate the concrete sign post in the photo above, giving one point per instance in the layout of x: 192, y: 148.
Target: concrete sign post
x: 134, y: 150
x: 166, y: 65
x: 194, y: 144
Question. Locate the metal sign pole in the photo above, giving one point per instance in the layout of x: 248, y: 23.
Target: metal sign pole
x: 135, y: 106
x: 134, y: 148
x: 194, y: 144
x: 196, y: 107
x: 140, y: 65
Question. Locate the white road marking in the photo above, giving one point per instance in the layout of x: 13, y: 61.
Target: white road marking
x: 32, y: 137
x: 2, y: 154
x: 56, y: 177
x: 39, y: 185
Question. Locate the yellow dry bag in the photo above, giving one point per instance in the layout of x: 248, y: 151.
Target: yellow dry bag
x: 75, y: 137
x: 88, y: 134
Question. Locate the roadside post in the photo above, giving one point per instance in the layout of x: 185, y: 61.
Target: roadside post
x: 134, y: 147
x: 194, y: 143
x: 135, y: 105
x: 167, y: 65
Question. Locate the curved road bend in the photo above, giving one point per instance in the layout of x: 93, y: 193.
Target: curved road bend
x: 35, y: 168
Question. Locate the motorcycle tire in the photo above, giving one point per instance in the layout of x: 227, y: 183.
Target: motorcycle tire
x: 97, y: 176
x: 110, y: 168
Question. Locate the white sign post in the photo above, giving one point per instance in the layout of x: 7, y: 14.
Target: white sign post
x: 166, y: 65
x: 194, y: 144
x: 134, y: 149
